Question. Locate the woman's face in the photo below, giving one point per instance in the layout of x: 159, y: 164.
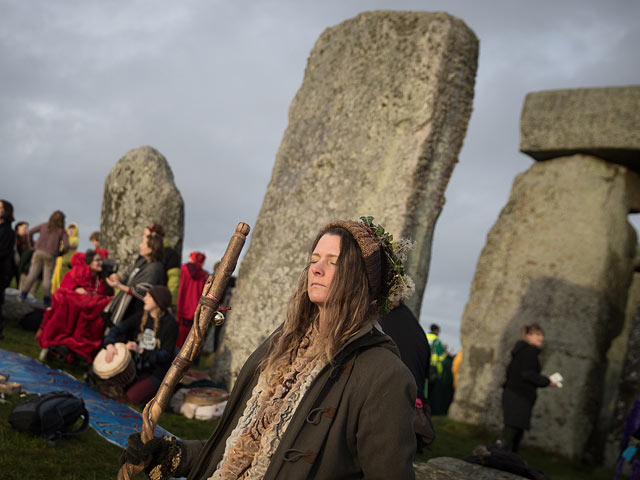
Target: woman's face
x: 96, y: 264
x: 535, y: 338
x: 145, y: 249
x: 323, y: 268
x: 22, y: 229
x: 71, y: 230
x: 149, y: 303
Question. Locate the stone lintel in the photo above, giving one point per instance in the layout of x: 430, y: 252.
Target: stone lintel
x: 603, y: 122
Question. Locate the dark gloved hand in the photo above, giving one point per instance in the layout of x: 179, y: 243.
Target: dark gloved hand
x: 165, y: 454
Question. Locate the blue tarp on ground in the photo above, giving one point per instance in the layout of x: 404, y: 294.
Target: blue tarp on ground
x: 112, y: 420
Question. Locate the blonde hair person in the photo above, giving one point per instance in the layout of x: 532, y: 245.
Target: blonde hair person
x: 326, y: 396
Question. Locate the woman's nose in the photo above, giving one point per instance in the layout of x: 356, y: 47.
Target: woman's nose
x: 317, y: 268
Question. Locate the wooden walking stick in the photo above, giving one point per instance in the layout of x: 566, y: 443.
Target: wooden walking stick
x: 207, y: 306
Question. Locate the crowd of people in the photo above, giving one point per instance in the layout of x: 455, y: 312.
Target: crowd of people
x: 87, y: 307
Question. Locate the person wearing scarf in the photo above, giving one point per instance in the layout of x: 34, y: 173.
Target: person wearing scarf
x: 326, y: 396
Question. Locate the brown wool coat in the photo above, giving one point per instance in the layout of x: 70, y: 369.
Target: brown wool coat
x: 356, y: 420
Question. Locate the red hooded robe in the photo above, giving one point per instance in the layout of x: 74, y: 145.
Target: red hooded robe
x: 192, y: 280
x: 74, y: 319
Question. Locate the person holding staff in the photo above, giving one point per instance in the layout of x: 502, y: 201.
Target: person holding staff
x: 519, y: 394
x: 326, y: 396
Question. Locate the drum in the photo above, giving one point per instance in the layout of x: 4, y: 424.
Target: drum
x: 121, y: 370
x: 205, y: 396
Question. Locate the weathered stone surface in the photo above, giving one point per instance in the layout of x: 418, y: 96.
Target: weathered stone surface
x: 459, y: 469
x: 140, y: 190
x: 604, y: 122
x: 560, y: 254
x: 427, y: 471
x: 628, y: 388
x: 375, y: 129
x: 617, y: 393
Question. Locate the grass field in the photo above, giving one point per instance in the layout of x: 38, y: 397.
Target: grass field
x: 89, y: 456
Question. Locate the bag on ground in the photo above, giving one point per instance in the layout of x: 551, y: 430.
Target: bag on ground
x: 50, y: 415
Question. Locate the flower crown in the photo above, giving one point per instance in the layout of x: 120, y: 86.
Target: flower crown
x: 399, y: 285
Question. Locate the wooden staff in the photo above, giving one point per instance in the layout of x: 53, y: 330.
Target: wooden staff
x: 207, y: 307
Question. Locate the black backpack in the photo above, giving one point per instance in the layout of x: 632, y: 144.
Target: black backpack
x: 49, y: 415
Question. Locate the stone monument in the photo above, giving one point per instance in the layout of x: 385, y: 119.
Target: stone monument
x: 139, y: 190
x: 375, y: 129
x: 561, y: 255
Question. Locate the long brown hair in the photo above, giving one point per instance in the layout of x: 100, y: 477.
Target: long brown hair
x: 155, y: 243
x: 348, y: 309
x: 156, y: 323
x: 56, y: 221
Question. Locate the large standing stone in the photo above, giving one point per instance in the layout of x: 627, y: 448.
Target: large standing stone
x: 604, y: 122
x: 621, y: 391
x: 140, y: 190
x: 628, y: 388
x: 560, y: 254
x: 375, y: 129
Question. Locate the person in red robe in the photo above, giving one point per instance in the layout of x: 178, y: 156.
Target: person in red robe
x: 192, y: 280
x: 73, y: 325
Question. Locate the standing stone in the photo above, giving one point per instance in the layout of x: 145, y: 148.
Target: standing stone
x: 604, y: 122
x: 620, y: 392
x: 561, y: 255
x: 375, y: 129
x: 139, y: 190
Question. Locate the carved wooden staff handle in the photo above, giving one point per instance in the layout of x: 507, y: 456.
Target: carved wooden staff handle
x: 207, y: 306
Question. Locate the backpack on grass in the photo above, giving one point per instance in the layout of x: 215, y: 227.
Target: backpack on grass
x: 49, y: 415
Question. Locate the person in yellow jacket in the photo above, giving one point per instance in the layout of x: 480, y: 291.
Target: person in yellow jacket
x: 63, y: 262
x: 438, y: 352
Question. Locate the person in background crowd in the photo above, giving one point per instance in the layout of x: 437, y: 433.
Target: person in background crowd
x: 192, y: 280
x: 50, y: 235
x: 73, y: 328
x: 523, y: 379
x: 326, y: 395
x: 94, y: 238
x: 171, y: 261
x: 151, y: 336
x: 405, y: 330
x: 148, y: 269
x: 7, y: 247
x: 438, y: 354
x: 22, y: 244
x: 63, y: 261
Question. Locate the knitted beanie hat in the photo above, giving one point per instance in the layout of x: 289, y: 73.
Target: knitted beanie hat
x: 161, y: 295
x: 375, y: 260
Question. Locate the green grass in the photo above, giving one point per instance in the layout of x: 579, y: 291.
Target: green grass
x: 89, y: 456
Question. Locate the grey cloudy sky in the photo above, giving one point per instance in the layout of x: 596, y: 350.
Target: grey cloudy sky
x: 208, y: 84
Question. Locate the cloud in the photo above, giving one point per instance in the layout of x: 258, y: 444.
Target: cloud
x: 209, y: 85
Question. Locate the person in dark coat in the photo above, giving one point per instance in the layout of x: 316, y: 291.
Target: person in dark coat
x: 326, y: 395
x: 7, y: 247
x: 523, y: 379
x: 403, y: 328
